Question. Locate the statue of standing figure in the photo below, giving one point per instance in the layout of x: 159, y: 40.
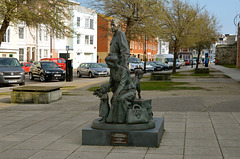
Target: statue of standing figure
x: 122, y: 85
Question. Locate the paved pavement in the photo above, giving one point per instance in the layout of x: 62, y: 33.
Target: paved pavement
x: 198, y: 123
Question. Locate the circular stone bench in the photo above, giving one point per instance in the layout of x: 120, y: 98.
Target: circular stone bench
x: 161, y: 76
x: 36, y: 94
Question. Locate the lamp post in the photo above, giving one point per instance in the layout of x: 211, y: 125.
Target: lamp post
x: 69, y: 69
x: 145, y: 54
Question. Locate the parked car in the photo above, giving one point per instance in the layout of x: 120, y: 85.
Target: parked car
x: 26, y: 66
x: 187, y: 62
x: 181, y: 62
x: 135, y: 63
x: 156, y: 67
x: 164, y: 66
x: 11, y: 72
x: 149, y: 68
x: 61, y: 62
x: 106, y: 66
x: 46, y: 70
x: 91, y: 70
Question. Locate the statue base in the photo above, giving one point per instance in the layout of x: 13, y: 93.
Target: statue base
x: 96, y: 124
x: 124, y: 137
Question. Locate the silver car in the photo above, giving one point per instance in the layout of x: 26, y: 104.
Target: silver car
x: 91, y: 70
x: 11, y: 72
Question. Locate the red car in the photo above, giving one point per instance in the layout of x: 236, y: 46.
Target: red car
x: 26, y: 66
x: 187, y: 62
x: 61, y: 62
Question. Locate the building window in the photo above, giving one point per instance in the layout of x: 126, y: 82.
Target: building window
x: 40, y: 34
x: 45, y: 35
x: 91, y: 39
x: 86, y: 39
x: 78, y: 38
x: 21, y: 33
x: 78, y: 21
x: 45, y: 53
x: 86, y: 23
x: 21, y: 54
x: 135, y: 45
x: 40, y: 53
x: 4, y: 38
x: 91, y: 23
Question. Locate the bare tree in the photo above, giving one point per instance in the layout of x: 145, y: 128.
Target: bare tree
x: 178, y: 24
x: 206, y: 32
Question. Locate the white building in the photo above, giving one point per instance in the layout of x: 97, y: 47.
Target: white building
x: 163, y: 47
x: 28, y: 44
x: 25, y: 43
x: 83, y: 45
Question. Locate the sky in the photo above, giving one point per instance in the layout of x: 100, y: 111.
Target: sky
x: 224, y: 10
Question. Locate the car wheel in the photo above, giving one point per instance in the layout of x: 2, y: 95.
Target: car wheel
x: 78, y: 74
x: 90, y: 75
x: 42, y: 78
x: 31, y: 76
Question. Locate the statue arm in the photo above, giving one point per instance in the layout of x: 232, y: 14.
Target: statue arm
x: 124, y: 49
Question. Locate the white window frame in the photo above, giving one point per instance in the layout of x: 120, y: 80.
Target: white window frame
x: 78, y: 38
x: 91, y: 39
x: 78, y: 21
x: 86, y: 39
x: 21, y: 54
x: 21, y: 32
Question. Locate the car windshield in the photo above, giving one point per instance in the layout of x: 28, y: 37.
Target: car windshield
x: 134, y: 60
x: 169, y: 59
x: 103, y: 65
x: 157, y: 62
x: 12, y: 62
x: 49, y: 65
x: 94, y: 65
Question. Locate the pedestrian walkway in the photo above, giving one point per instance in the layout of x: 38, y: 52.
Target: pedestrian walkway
x: 234, y: 73
x: 54, y: 131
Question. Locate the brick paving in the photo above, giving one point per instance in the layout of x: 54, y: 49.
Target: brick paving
x: 199, y: 124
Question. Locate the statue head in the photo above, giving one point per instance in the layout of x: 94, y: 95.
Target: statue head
x: 139, y: 73
x: 115, y: 25
x: 105, y: 87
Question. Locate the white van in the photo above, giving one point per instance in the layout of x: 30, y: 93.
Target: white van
x: 167, y: 59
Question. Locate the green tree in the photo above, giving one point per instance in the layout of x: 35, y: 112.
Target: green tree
x: 177, y: 25
x: 52, y: 13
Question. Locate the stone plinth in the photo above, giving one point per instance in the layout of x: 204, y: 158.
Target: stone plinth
x: 161, y: 76
x: 36, y: 94
x: 115, y: 137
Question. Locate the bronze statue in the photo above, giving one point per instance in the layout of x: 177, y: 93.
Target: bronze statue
x: 123, y: 87
x: 104, y: 104
x: 119, y: 44
x: 123, y: 90
x: 136, y: 80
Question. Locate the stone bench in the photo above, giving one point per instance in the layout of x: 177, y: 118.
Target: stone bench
x: 36, y: 94
x: 161, y: 76
x: 201, y: 71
